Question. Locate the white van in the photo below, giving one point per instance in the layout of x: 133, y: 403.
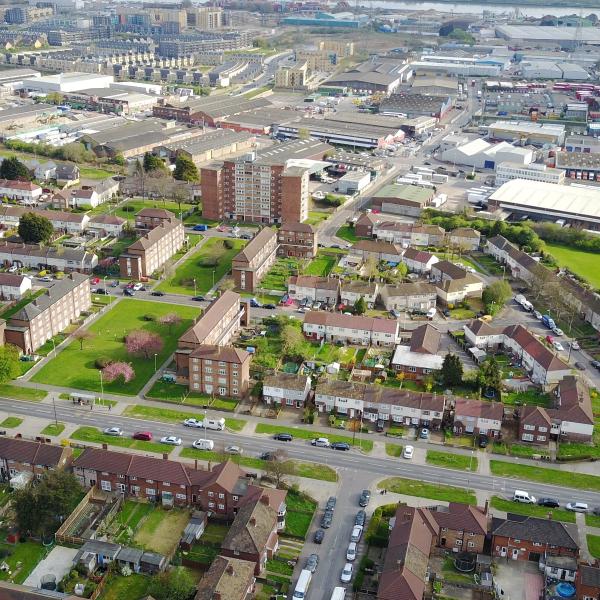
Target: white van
x: 217, y: 424
x: 523, y: 497
x: 431, y: 313
x: 339, y: 593
x: 302, y: 585
x: 203, y: 444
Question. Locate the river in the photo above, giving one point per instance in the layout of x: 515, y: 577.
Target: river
x: 469, y: 8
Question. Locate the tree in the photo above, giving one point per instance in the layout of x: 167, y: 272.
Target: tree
x: 180, y: 193
x: 496, y: 295
x: 83, y: 335
x: 143, y: 343
x: 41, y: 508
x: 9, y: 363
x: 371, y: 268
x: 140, y: 175
x: 119, y: 159
x: 35, y: 229
x: 153, y: 163
x: 452, y: 370
x: 13, y: 168
x: 278, y: 468
x: 292, y: 341
x: 489, y: 376
x: 185, y: 169
x: 116, y: 370
x: 176, y: 584
x: 360, y: 306
x: 170, y: 320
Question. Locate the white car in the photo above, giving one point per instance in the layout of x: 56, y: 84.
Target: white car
x: 557, y: 331
x: 171, y: 439
x: 351, y: 552
x: 538, y: 315
x: 408, y: 452
x: 557, y: 346
x: 577, y: 507
x: 233, y: 450
x: 321, y: 442
x: 356, y: 534
x: 192, y: 423
x: 575, y: 345
x: 346, y: 576
x: 113, y: 431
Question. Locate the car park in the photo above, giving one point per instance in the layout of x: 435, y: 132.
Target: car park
x: 171, y: 440
x: 548, y: 502
x: 283, y: 437
x: 145, y: 436
x: 318, y: 537
x: 346, y: 576
x: 320, y: 442
x: 408, y: 452
x: 360, y: 518
x: 340, y: 446
x: 116, y: 431
x: 356, y: 534
x: 351, y: 552
x: 365, y: 497
x: 312, y: 562
x: 577, y: 507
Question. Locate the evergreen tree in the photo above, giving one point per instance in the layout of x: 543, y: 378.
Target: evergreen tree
x: 13, y: 168
x: 185, y: 170
x: 34, y: 229
x: 153, y: 163
x: 452, y: 370
x: 360, y: 306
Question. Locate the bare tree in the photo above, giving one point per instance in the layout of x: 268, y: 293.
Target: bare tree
x: 83, y: 335
x: 278, y: 467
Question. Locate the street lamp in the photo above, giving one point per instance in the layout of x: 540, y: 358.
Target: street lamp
x: 101, y: 388
x: 104, y: 280
x: 214, y: 271
x: 155, y: 355
x: 194, y: 286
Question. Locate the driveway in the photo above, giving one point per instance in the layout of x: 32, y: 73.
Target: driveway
x: 518, y: 580
x: 59, y: 562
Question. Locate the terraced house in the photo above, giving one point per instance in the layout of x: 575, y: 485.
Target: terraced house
x: 34, y: 458
x: 254, y: 261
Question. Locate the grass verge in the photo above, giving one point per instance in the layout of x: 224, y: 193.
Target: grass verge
x: 452, y: 461
x: 435, y: 491
x: 91, y: 434
x: 393, y: 450
x: 532, y: 510
x: 593, y: 542
x: 11, y: 422
x: 21, y: 393
x: 53, y: 429
x: 167, y: 415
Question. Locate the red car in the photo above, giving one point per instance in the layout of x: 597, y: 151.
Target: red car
x: 549, y: 339
x: 145, y: 436
x: 96, y: 281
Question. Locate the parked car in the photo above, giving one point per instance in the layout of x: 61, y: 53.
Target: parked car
x: 538, y: 315
x: 283, y: 437
x: 171, y: 439
x: 128, y: 292
x: 595, y: 364
x: 360, y: 518
x: 319, y: 535
x: 268, y: 456
x: 269, y: 306
x: 424, y: 435
x: 330, y: 504
x: 326, y: 520
x: 408, y: 452
x: 549, y: 502
x: 577, y: 507
x: 395, y: 314
x: 380, y: 425
x: 145, y: 436
x: 484, y: 440
x: 575, y: 345
x: 580, y: 366
x: 157, y: 293
x: 312, y: 563
x: 95, y: 280
x: 192, y: 423
x: 114, y: 283
x: 346, y: 576
x: 365, y: 497
x: 356, y: 534
x: 198, y: 298
x: 233, y: 450
x: 321, y: 442
x: 557, y: 331
x: 558, y: 346
x: 351, y: 552
x: 340, y: 446
x: 113, y: 431
x: 550, y: 339
x: 100, y: 291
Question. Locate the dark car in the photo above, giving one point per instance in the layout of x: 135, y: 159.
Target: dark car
x: 549, y: 502
x: 361, y: 518
x: 269, y: 306
x: 483, y: 440
x: 100, y: 291
x: 340, y: 446
x: 198, y: 298
x: 283, y: 437
x: 312, y: 562
x: 365, y: 496
x: 157, y: 293
x: 268, y: 456
x: 580, y: 366
x: 595, y: 364
x: 326, y: 520
x: 596, y: 511
x: 128, y: 292
x: 319, y: 535
x: 379, y: 426
x: 330, y: 504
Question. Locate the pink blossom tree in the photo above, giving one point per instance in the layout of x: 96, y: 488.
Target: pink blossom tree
x: 170, y: 320
x: 140, y: 342
x: 118, y: 369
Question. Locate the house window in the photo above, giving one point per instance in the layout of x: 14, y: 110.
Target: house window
x: 121, y: 476
x: 221, y: 496
x: 528, y: 427
x: 542, y: 429
x: 221, y: 507
x: 211, y: 494
x: 527, y: 437
x: 211, y: 505
x: 541, y: 438
x: 180, y: 496
x: 458, y: 543
x: 236, y: 498
x: 106, y: 486
x: 149, y: 480
x: 470, y: 544
x: 150, y: 492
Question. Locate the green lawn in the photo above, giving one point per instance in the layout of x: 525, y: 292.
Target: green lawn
x: 530, y: 397
x: 346, y: 232
x: 133, y: 512
x: 591, y: 520
x: 593, y: 543
x: 315, y: 217
x: 452, y: 461
x: 545, y: 475
x: 53, y: 429
x: 135, y: 586
x: 128, y: 210
x: 194, y: 267
x: 279, y: 273
x: 180, y: 394
x: 21, y: 393
x: 27, y: 554
x: 320, y: 266
x: 11, y: 422
x: 435, y: 491
x: 76, y: 368
x: 313, y: 470
x: 167, y: 415
x: 95, y: 173
x: 91, y: 434
x: 297, y: 523
x: 584, y: 264
x: 393, y: 450
x: 581, y: 451
x: 532, y: 510
x: 308, y: 434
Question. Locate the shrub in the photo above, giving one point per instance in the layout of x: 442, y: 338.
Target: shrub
x: 208, y: 261
x: 102, y: 362
x: 228, y: 244
x: 149, y: 317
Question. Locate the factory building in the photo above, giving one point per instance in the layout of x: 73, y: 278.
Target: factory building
x: 480, y: 154
x: 506, y: 171
x: 528, y: 132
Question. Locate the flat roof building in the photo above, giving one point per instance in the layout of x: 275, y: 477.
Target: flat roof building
x: 528, y: 131
x: 67, y: 82
x: 534, y: 172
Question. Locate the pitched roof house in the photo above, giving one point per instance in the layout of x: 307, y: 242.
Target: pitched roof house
x: 477, y: 417
x: 24, y: 456
x: 228, y: 579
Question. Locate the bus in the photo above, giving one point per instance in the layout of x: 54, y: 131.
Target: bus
x: 339, y: 593
x: 302, y: 585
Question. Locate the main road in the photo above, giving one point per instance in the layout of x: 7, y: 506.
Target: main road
x: 253, y: 445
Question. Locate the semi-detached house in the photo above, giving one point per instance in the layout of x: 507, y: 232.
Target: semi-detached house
x: 353, y: 290
x: 321, y: 289
x: 416, y: 295
x: 289, y: 389
x: 476, y: 417
x: 362, y: 331
x: 25, y: 456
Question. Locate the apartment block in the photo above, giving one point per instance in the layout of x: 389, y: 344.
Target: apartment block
x: 297, y: 240
x: 49, y: 314
x: 270, y: 186
x: 153, y: 249
x: 149, y: 218
x: 253, y: 262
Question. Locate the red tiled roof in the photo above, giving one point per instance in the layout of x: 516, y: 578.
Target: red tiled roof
x: 351, y: 322
x: 34, y: 453
x: 466, y: 407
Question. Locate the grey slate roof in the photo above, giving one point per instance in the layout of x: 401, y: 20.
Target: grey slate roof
x: 542, y: 531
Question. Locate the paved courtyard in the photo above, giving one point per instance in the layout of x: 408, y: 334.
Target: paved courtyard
x: 58, y: 563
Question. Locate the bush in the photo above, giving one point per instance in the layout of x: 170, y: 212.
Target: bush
x: 149, y: 317
x: 228, y: 244
x: 102, y: 362
x: 208, y: 261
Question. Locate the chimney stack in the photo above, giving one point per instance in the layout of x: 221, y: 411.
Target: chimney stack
x: 253, y: 521
x: 265, y: 499
x: 229, y: 569
x: 486, y: 507
x: 165, y: 456
x: 104, y: 446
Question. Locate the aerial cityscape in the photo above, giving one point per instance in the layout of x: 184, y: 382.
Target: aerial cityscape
x: 299, y: 299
